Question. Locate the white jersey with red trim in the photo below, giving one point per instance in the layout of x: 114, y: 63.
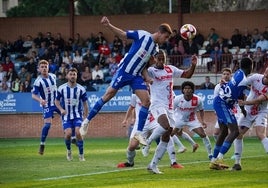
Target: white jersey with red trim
x: 186, y: 110
x: 162, y: 88
x: 257, y: 89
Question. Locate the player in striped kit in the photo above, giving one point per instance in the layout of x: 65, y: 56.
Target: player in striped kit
x: 45, y: 86
x: 256, y: 107
x: 131, y: 70
x: 71, y: 100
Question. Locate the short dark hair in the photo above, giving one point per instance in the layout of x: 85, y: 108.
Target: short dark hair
x: 246, y: 63
x: 187, y: 83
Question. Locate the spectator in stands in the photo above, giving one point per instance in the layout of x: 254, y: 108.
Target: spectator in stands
x: 52, y: 49
x: 18, y: 44
x: 237, y: 56
x: 99, y: 40
x: 104, y: 49
x: 8, y: 47
x: 15, y: 85
x: 59, y: 42
x: 90, y: 42
x: 57, y: 59
x: 78, y: 43
x: 31, y: 50
x: 216, y: 56
x: 89, y: 57
x: 227, y: 57
x: 78, y: 59
x: 97, y: 75
x: 7, y: 64
x: 221, y: 42
x: 5, y: 86
x: 11, y: 75
x: 27, y: 43
x: 69, y: 45
x: 53, y: 68
x: 35, y: 56
x: 207, y: 84
x: 191, y: 48
x: 39, y: 39
x: 236, y: 38
x: 86, y: 77
x: 2, y: 74
x: 61, y: 79
x: 46, y: 56
x: 176, y: 55
x: 247, y: 52
x: 24, y: 74
x: 27, y: 86
x: 265, y: 33
x: 101, y: 61
x: 173, y: 40
x: 209, y: 48
x: 258, y: 59
x: 3, y: 52
x: 67, y: 59
x: 113, y: 66
x: 117, y: 45
x: 31, y: 66
x: 262, y: 43
x: 199, y: 39
x: 48, y: 39
x: 42, y: 49
x: 255, y: 37
x: 22, y: 87
x: 212, y: 35
x: 246, y: 39
x: 118, y: 56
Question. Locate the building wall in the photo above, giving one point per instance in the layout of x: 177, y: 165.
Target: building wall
x: 223, y: 22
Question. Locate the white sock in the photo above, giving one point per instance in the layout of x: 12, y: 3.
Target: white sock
x: 158, y: 132
x: 265, y: 144
x: 177, y: 141
x: 187, y: 137
x: 238, y: 149
x: 130, y: 156
x: 171, y: 151
x: 207, y: 144
x: 159, y: 152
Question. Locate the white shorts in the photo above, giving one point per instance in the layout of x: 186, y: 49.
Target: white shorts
x: 191, y: 124
x: 260, y: 120
x: 159, y: 110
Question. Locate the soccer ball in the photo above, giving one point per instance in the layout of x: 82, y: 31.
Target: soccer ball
x: 188, y: 31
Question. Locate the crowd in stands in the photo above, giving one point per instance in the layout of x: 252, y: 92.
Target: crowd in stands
x: 96, y: 58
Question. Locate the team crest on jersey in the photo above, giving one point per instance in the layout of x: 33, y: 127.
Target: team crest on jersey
x: 194, y: 101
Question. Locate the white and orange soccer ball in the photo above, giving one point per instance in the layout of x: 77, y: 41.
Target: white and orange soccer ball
x: 188, y: 31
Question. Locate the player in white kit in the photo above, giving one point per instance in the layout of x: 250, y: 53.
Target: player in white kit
x: 162, y: 101
x: 186, y: 106
x: 256, y: 106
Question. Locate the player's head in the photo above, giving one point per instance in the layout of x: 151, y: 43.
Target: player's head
x: 163, y: 34
x: 161, y: 59
x: 246, y: 65
x: 187, y: 86
x: 72, y: 75
x: 226, y: 74
x: 43, y: 67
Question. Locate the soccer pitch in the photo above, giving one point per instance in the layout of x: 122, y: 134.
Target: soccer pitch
x: 22, y: 166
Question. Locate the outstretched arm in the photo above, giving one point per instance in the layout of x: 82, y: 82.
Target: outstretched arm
x: 106, y: 22
x: 258, y: 100
x: 190, y: 71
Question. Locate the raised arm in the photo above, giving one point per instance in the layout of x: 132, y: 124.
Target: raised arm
x: 258, y: 100
x: 106, y: 22
x: 190, y: 71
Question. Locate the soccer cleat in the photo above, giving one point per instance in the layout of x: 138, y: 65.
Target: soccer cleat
x: 210, y: 157
x: 195, y: 147
x: 81, y: 157
x: 218, y: 165
x: 138, y: 136
x: 41, y: 149
x: 125, y: 165
x: 182, y: 150
x: 154, y: 169
x: 145, y: 150
x: 69, y: 155
x: 176, y: 165
x: 236, y: 167
x: 84, y: 127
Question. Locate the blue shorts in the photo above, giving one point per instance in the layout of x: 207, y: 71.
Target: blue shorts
x: 72, y: 123
x: 224, y: 112
x: 121, y: 79
x: 48, y: 112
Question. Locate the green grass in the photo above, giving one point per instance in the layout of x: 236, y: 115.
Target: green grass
x: 21, y: 166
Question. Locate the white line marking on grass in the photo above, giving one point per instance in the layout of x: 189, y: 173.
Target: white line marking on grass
x: 135, y: 168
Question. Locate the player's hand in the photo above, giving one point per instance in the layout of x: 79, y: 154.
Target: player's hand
x: 43, y: 102
x: 105, y: 21
x: 241, y: 102
x: 63, y: 112
x: 204, y: 125
x: 194, y: 60
x: 124, y: 123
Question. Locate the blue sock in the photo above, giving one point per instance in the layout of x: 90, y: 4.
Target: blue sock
x: 73, y: 132
x: 68, y: 144
x: 80, y: 145
x: 216, y: 151
x: 45, y: 130
x: 142, y: 117
x: 93, y: 112
x: 225, y: 147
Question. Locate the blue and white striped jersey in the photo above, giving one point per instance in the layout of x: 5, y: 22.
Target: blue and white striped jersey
x: 235, y: 88
x: 71, y: 99
x: 142, y: 48
x: 46, y: 88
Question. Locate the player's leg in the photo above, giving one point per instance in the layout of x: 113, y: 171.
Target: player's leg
x: 47, y: 114
x: 261, y: 134
x: 172, y: 155
x: 181, y: 147
x: 200, y: 131
x: 130, y: 153
x: 67, y: 139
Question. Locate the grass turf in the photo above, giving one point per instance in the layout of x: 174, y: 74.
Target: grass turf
x: 22, y: 166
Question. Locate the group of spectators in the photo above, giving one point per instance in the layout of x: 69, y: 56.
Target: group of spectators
x: 96, y: 59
